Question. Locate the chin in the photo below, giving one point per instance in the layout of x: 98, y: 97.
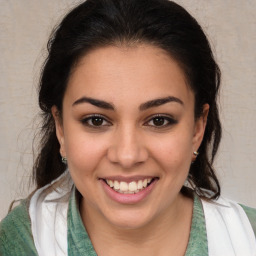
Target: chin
x: 130, y: 220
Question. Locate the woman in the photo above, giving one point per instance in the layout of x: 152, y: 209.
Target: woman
x: 130, y: 131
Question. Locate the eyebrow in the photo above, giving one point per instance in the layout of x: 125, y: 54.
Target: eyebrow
x: 159, y: 102
x: 95, y: 102
x: 149, y: 104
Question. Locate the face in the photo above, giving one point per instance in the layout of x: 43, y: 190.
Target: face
x: 128, y: 132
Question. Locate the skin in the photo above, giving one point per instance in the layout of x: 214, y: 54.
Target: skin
x: 129, y: 142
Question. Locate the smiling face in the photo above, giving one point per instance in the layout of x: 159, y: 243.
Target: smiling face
x: 128, y: 132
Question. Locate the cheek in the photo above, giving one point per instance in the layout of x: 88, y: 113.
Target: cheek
x: 83, y: 152
x: 175, y: 151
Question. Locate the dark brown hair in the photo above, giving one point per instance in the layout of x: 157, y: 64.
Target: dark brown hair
x: 162, y: 23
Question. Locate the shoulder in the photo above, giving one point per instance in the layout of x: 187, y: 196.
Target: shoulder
x: 226, y: 207
x: 15, y: 232
x: 251, y: 214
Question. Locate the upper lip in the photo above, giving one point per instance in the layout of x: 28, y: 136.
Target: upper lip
x: 128, y: 179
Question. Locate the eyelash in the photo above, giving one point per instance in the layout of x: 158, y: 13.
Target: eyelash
x: 168, y: 121
x: 90, y: 118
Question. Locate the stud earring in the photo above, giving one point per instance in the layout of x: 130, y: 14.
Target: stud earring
x: 64, y: 160
x: 186, y: 183
x: 196, y: 153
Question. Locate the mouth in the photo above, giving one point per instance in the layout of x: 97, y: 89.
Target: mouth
x: 132, y: 187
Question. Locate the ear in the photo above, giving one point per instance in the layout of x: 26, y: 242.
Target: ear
x: 199, y: 128
x: 59, y: 130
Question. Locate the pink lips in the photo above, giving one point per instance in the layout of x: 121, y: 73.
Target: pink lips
x: 128, y: 198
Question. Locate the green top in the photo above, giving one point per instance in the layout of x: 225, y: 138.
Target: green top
x: 16, y: 235
x: 79, y: 242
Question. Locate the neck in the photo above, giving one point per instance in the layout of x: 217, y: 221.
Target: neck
x: 167, y: 232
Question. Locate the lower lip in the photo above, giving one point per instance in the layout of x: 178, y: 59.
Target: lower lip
x: 128, y: 198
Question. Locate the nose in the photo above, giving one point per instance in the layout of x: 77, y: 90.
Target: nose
x: 127, y: 148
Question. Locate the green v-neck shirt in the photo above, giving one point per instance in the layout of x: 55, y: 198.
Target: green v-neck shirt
x: 16, y: 236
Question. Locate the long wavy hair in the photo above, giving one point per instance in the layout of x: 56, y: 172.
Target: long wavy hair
x: 162, y: 23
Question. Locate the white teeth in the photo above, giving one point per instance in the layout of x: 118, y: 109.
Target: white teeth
x: 110, y: 183
x: 140, y: 184
x: 124, y: 186
x: 132, y: 186
x: 116, y: 185
x: 128, y: 188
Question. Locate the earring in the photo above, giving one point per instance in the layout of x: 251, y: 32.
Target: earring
x: 196, y: 153
x: 64, y: 160
x: 186, y: 183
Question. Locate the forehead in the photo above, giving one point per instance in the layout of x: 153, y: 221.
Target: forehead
x: 141, y: 72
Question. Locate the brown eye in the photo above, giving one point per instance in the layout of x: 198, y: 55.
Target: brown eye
x: 161, y: 121
x: 158, y: 121
x: 97, y: 121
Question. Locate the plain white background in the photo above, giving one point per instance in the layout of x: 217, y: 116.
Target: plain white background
x: 24, y: 28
